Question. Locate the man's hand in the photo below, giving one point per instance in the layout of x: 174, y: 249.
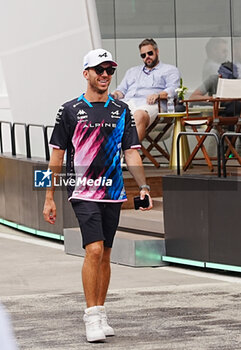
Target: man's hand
x: 135, y: 167
x: 49, y: 211
x: 151, y: 99
x: 117, y: 95
x: 163, y: 95
x: 55, y: 164
x: 143, y: 192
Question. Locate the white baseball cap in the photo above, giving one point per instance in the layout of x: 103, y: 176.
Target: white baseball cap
x: 98, y: 56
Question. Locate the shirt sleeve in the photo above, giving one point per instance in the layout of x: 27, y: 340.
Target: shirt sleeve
x: 130, y: 138
x: 172, y: 81
x: 202, y: 88
x: 60, y: 134
x: 124, y: 85
x: 209, y: 86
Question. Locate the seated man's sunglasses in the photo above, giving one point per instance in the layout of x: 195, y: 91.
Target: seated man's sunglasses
x: 149, y: 53
x: 100, y: 70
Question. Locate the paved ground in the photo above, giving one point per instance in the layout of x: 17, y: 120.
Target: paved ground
x: 150, y: 308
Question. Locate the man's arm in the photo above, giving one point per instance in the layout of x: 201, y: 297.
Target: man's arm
x: 135, y: 167
x: 123, y: 87
x: 172, y: 79
x: 172, y: 82
x: 207, y: 89
x: 55, y: 164
x: 197, y: 94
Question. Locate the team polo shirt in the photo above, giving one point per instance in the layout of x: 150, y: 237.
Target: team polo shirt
x: 94, y: 135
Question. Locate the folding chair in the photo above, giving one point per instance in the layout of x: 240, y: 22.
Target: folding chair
x: 194, y: 123
x: 227, y: 90
x: 157, y: 132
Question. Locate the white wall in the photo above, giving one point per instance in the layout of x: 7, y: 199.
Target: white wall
x: 42, y: 44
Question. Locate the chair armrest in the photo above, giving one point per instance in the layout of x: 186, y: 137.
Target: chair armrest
x: 204, y: 99
x: 226, y: 99
x: 159, y: 103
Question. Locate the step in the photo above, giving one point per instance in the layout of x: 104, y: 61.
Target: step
x: 128, y: 249
x: 157, y: 203
x: 150, y: 221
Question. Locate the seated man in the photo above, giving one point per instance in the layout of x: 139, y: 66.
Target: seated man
x: 227, y: 70
x: 217, y: 52
x: 142, y: 86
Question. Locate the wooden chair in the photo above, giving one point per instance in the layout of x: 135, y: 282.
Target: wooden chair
x: 228, y: 90
x: 157, y: 132
x: 195, y: 123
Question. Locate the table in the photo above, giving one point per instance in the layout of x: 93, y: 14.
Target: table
x: 184, y: 146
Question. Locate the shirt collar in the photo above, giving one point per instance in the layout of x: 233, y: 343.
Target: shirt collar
x: 82, y: 97
x: 148, y: 71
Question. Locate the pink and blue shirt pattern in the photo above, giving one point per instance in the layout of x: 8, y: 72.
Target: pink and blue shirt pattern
x: 94, y: 134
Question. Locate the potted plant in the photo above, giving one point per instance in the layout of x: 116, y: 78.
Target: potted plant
x: 181, y: 91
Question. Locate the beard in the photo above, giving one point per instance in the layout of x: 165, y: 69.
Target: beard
x: 96, y: 89
x: 153, y: 63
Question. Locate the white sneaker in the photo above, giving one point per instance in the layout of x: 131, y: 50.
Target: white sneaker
x: 109, y: 331
x: 93, y: 327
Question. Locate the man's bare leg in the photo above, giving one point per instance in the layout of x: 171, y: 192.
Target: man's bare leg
x: 91, y: 271
x: 142, y: 120
x: 103, y: 277
x: 103, y: 284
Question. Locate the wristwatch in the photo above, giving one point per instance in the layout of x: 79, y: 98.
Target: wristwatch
x: 145, y: 186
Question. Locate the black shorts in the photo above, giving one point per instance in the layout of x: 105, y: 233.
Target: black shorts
x: 98, y: 221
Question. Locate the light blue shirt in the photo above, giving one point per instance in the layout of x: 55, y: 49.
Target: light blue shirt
x: 139, y: 82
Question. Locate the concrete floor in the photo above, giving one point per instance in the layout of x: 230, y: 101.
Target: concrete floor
x: 150, y: 308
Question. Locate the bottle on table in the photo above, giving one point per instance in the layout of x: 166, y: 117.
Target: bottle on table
x: 170, y: 105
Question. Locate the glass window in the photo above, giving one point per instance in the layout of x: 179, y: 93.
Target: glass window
x: 144, y: 19
x: 128, y: 22
x: 203, y: 38
x: 195, y: 35
x: 205, y: 18
x: 136, y: 18
x: 106, y: 16
x: 236, y: 16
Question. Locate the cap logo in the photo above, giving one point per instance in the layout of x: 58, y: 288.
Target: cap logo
x: 103, y: 55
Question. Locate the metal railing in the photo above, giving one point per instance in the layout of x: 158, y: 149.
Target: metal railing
x: 28, y: 145
x: 201, y: 133
x: 45, y: 128
x: 46, y: 147
x: 11, y: 135
x: 14, y: 137
x: 224, y: 161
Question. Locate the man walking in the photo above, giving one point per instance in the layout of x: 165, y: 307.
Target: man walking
x: 94, y: 128
x: 142, y: 86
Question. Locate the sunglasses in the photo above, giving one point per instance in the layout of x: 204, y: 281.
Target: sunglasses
x: 149, y: 53
x: 100, y: 70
